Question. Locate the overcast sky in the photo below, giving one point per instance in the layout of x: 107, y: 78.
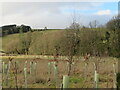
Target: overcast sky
x: 56, y: 14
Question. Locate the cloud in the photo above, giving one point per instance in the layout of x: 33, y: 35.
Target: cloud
x: 51, y: 7
x: 103, y: 12
x: 0, y: 13
x: 49, y: 14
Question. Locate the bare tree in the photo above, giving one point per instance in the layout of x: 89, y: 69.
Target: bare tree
x: 90, y: 24
x: 93, y: 24
x: 72, y: 40
x: 72, y: 43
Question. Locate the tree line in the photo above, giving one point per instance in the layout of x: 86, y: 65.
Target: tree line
x: 12, y: 29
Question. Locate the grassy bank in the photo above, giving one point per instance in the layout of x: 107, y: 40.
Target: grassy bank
x: 45, y: 42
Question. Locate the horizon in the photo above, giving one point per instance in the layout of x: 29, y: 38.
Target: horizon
x: 57, y: 14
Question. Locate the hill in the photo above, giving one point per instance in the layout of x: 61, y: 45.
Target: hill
x: 45, y: 42
x: 11, y: 43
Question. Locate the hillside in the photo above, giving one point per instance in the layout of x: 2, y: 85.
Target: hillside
x: 45, y: 42
x: 38, y: 38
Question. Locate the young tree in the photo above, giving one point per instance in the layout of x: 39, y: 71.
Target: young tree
x: 72, y: 42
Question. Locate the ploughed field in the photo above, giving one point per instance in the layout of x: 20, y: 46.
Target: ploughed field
x: 40, y: 72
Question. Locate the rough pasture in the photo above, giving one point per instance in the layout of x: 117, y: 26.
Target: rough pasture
x: 42, y: 79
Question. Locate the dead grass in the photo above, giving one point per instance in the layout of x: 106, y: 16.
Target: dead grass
x: 43, y: 80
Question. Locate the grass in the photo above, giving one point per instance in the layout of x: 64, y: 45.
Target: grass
x: 44, y: 42
x: 44, y: 38
x: 76, y: 79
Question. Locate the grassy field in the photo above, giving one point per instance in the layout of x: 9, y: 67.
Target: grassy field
x: 39, y: 41
x: 42, y: 79
x: 43, y: 43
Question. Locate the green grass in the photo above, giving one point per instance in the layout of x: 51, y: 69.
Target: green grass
x: 39, y: 40
x: 44, y: 42
x: 76, y: 79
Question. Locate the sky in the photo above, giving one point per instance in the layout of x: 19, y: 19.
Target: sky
x: 56, y: 15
